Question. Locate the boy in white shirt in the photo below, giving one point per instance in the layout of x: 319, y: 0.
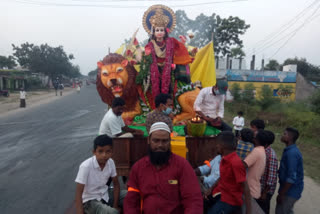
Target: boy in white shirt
x: 92, y: 190
x: 238, y: 123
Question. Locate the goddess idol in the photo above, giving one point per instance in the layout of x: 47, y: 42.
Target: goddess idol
x: 164, y: 65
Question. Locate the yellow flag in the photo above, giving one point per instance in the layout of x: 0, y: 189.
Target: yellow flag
x: 203, y: 68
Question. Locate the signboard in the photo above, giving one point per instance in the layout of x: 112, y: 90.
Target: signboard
x: 261, y: 76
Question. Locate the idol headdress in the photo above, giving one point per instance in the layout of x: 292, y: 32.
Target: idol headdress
x: 159, y: 16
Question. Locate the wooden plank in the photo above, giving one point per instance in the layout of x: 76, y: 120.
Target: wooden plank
x: 126, y: 151
x: 200, y: 149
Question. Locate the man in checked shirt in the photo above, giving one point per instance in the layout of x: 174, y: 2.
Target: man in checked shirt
x: 269, y: 178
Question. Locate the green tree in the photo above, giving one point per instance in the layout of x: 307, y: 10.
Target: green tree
x: 236, y: 91
x: 238, y: 53
x: 93, y: 73
x: 311, y: 72
x: 226, y: 31
x: 248, y: 93
x: 7, y: 62
x: 51, y: 61
x: 74, y: 72
x: 273, y: 65
x: 266, y: 97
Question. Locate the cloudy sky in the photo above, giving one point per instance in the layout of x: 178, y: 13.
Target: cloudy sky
x: 279, y: 28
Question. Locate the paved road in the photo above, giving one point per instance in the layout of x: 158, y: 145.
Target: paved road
x: 41, y: 149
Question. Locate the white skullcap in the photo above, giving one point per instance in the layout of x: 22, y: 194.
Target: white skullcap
x: 159, y: 126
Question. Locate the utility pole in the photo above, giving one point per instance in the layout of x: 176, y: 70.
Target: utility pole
x: 262, y: 65
x: 252, y: 65
x: 228, y: 61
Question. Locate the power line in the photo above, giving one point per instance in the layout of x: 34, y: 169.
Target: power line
x: 279, y: 40
x: 125, y: 0
x: 269, y: 44
x: 39, y: 3
x: 268, y: 39
x: 311, y: 18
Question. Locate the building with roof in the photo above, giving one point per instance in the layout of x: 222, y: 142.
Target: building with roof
x: 12, y: 79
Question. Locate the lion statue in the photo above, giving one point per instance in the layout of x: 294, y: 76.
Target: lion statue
x: 116, y: 78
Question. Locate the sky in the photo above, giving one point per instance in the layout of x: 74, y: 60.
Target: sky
x: 280, y: 29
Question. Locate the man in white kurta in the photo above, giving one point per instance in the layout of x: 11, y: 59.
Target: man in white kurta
x: 209, y: 105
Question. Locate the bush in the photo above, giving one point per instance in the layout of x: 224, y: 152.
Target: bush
x: 306, y: 122
x: 293, y: 114
x: 266, y: 97
x: 33, y: 83
x: 235, y: 91
x: 248, y: 93
x: 249, y: 111
x: 315, y: 102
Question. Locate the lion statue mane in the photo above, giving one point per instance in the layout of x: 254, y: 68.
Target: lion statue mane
x: 129, y: 92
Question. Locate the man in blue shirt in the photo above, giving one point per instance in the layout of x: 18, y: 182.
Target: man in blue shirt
x: 290, y: 173
x: 210, y: 172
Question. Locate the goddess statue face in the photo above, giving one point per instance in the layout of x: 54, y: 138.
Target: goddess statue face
x: 159, y: 33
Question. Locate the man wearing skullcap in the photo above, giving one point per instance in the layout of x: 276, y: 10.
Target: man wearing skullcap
x: 162, y: 182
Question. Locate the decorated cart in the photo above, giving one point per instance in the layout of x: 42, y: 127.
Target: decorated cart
x: 164, y: 65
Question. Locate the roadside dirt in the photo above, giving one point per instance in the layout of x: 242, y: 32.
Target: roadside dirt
x: 10, y: 105
x: 308, y: 203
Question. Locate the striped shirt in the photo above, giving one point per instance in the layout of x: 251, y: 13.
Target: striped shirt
x: 269, y: 178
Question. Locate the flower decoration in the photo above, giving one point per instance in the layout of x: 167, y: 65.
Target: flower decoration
x: 133, y: 62
x: 147, y: 51
x: 129, y: 53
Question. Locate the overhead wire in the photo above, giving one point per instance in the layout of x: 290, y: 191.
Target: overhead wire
x: 279, y: 31
x: 40, y: 3
x: 125, y: 0
x: 312, y: 17
x: 290, y: 35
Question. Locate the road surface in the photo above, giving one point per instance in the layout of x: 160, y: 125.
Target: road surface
x: 41, y: 149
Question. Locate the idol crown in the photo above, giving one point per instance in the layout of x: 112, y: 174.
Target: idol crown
x: 159, y: 19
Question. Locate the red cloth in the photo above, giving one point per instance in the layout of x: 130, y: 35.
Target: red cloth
x: 149, y: 96
x: 232, y: 175
x: 181, y: 54
x: 173, y: 189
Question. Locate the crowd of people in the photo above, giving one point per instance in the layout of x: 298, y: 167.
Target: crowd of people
x: 241, y: 177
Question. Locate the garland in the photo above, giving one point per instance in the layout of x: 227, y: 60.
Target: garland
x: 145, y: 64
x: 166, y: 71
